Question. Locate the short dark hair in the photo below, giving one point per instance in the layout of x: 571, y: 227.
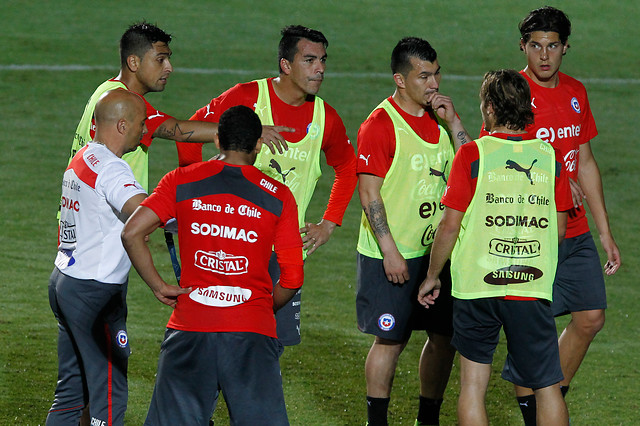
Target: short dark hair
x: 291, y: 35
x: 139, y: 38
x: 407, y: 48
x: 546, y: 19
x: 239, y: 129
x: 508, y: 94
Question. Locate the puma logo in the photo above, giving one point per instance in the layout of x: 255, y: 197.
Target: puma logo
x: 434, y: 172
x: 366, y: 159
x: 274, y: 165
x: 517, y: 167
x: 533, y: 105
x: 208, y: 111
x: 157, y: 114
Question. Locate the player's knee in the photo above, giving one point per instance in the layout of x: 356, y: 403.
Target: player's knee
x: 589, y: 323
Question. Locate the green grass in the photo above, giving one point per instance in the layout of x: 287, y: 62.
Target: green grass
x: 324, y: 376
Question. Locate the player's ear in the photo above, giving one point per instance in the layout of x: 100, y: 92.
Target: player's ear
x: 216, y: 140
x: 259, y: 145
x: 121, y: 125
x: 399, y: 79
x: 285, y: 66
x: 522, y: 45
x: 133, y: 62
x: 565, y: 47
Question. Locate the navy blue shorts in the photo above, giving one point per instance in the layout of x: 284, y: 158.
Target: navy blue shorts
x: 579, y: 283
x: 533, y: 360
x: 193, y: 366
x: 287, y: 317
x: 391, y: 311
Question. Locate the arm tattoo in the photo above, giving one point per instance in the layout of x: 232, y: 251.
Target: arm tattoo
x: 462, y: 137
x: 166, y: 133
x: 377, y: 218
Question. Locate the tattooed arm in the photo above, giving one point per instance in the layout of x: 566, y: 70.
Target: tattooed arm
x: 395, y: 266
x: 186, y: 130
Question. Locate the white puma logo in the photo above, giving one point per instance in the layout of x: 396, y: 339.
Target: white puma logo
x: 366, y: 159
x: 533, y: 105
x: 208, y: 111
x: 158, y: 114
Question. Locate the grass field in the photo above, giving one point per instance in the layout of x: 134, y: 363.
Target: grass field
x: 55, y: 55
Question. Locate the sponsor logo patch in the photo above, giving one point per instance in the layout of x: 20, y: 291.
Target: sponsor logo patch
x: 514, y: 248
x: 221, y: 296
x: 514, y: 274
x: 386, y: 322
x: 221, y: 262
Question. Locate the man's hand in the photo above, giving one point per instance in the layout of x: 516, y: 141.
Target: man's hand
x: 314, y: 235
x: 273, y: 139
x: 429, y: 291
x: 577, y: 194
x: 443, y: 106
x: 168, y: 294
x: 396, y: 268
x: 614, y: 260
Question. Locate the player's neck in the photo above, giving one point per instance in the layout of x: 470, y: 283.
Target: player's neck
x: 288, y: 92
x: 237, y: 158
x: 506, y: 130
x: 132, y: 83
x: 408, y: 105
x: 549, y: 83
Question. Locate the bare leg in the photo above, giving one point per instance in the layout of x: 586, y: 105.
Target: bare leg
x: 551, y: 408
x: 380, y: 367
x: 474, y: 379
x: 575, y: 340
x: 436, y: 361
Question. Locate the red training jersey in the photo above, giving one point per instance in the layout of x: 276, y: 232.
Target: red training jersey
x: 377, y: 138
x: 336, y: 146
x: 229, y: 218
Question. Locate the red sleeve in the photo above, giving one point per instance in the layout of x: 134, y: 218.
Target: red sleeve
x: 340, y: 155
x: 563, y: 198
x: 240, y: 94
x: 163, y: 199
x: 461, y: 185
x: 154, y: 119
x: 376, y: 144
x: 589, y: 130
x: 288, y: 244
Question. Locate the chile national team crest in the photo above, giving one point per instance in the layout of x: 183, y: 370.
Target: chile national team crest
x: 122, y: 339
x: 575, y: 104
x: 386, y: 322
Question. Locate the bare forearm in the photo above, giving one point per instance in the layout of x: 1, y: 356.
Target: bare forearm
x: 186, y: 131
x: 591, y: 183
x: 281, y: 296
x: 459, y: 134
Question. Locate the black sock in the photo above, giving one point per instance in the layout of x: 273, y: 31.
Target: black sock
x: 564, y: 390
x: 377, y: 411
x: 528, y: 407
x: 429, y: 411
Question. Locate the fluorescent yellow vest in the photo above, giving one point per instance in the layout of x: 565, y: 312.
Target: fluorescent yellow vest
x: 508, y: 241
x: 411, y: 190
x: 138, y: 159
x: 299, y: 166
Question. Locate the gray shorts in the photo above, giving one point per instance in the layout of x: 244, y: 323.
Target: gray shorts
x: 391, y: 311
x: 193, y: 366
x: 579, y: 283
x: 533, y: 360
x: 93, y: 350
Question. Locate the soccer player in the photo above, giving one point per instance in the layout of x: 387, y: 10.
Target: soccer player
x: 222, y: 335
x: 145, y: 67
x: 88, y: 286
x: 291, y: 100
x: 505, y: 211
x: 404, y: 158
x: 563, y: 118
